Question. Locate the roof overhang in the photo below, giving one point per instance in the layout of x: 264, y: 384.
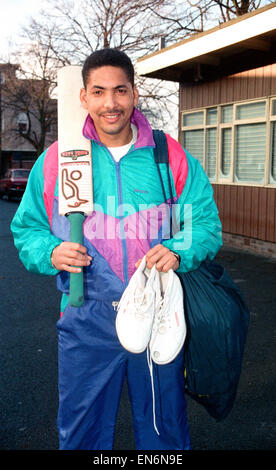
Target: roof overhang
x: 246, y: 42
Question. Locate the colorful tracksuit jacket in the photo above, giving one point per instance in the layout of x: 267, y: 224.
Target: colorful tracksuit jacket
x: 130, y: 216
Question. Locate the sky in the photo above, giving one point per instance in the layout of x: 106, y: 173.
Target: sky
x: 14, y: 13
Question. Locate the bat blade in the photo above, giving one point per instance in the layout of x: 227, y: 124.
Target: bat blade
x: 75, y: 165
x: 75, y: 159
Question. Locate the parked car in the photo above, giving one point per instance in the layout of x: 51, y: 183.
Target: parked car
x: 14, y: 182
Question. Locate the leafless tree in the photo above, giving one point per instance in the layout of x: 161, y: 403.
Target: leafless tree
x: 231, y: 8
x: 185, y: 18
x: 73, y: 28
x: 69, y: 30
x: 28, y: 91
x: 66, y: 31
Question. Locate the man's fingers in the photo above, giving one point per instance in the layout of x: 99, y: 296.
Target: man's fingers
x: 155, y: 255
x: 70, y: 269
x: 165, y: 263
x: 73, y: 256
x: 162, y: 257
x: 137, y: 264
x: 67, y: 255
x: 72, y: 247
x: 75, y: 261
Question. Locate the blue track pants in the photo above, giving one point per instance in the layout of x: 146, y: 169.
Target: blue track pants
x: 92, y: 368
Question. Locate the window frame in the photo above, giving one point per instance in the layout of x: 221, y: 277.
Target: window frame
x: 271, y: 180
x: 267, y: 119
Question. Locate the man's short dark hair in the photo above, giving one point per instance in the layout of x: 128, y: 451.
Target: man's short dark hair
x: 108, y: 57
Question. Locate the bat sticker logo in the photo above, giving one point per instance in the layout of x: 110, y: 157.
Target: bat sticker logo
x: 74, y: 154
x: 70, y: 189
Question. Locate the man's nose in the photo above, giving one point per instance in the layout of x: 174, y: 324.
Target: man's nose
x: 110, y: 100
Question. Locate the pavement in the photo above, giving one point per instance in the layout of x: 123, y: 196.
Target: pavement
x: 251, y: 425
x: 28, y: 372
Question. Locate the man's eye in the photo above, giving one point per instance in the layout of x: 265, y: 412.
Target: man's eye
x: 97, y: 92
x: 121, y: 91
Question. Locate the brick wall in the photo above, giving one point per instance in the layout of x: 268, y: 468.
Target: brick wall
x: 251, y: 245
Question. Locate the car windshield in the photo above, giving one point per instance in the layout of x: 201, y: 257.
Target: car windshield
x: 20, y: 173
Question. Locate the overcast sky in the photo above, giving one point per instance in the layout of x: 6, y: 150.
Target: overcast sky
x: 13, y: 13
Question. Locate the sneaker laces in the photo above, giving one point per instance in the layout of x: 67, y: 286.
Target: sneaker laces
x: 141, y: 307
x: 161, y: 317
x: 141, y: 310
x: 149, y: 359
x: 138, y: 300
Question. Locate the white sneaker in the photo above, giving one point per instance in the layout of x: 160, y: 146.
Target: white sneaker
x: 169, y: 326
x: 136, y: 310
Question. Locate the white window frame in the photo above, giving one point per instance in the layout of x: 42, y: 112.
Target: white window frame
x: 268, y: 119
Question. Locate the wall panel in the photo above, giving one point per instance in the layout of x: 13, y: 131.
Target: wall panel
x: 247, y: 210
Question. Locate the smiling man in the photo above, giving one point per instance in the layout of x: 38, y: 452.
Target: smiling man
x: 110, y: 97
x: 92, y: 363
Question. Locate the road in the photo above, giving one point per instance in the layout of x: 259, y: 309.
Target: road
x: 28, y: 373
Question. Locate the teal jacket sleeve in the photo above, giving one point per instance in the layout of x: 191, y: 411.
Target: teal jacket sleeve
x: 199, y: 233
x: 30, y: 226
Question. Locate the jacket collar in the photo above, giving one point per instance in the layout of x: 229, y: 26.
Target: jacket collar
x: 144, y: 139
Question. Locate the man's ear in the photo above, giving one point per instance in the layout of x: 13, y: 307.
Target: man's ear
x: 83, y: 98
x: 136, y: 95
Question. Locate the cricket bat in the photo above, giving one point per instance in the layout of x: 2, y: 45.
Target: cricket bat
x: 74, y: 164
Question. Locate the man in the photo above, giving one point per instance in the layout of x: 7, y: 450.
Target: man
x: 123, y: 228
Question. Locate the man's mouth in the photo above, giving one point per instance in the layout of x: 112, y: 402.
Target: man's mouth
x: 111, y: 117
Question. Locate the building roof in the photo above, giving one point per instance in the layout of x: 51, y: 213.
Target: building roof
x: 245, y: 42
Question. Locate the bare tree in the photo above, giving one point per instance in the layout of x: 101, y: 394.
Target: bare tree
x: 231, y: 8
x: 28, y: 92
x: 66, y: 31
x: 76, y: 28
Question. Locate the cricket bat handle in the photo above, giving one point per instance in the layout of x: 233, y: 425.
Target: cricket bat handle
x: 76, y: 296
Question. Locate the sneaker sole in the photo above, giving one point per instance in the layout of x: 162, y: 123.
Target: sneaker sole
x: 173, y: 357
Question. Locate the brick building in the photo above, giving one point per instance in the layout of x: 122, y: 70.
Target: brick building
x: 22, y: 104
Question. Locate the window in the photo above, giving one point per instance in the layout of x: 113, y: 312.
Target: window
x: 211, y: 152
x: 235, y: 143
x: 250, y: 147
x: 273, y: 108
x: 226, y: 139
x: 251, y: 110
x: 194, y: 143
x: 212, y: 115
x: 272, y: 174
x: 193, y: 119
x: 200, y: 137
x: 273, y: 153
x: 227, y: 113
x: 21, y: 173
x: 22, y: 123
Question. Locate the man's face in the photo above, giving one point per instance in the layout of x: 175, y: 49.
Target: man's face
x: 110, y: 98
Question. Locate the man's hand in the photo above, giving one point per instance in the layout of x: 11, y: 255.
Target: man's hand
x: 162, y: 257
x: 67, y: 255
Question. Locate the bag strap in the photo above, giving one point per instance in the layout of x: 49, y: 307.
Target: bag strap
x: 161, y: 155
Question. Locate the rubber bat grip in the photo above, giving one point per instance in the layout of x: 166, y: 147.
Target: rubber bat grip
x: 76, y: 295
